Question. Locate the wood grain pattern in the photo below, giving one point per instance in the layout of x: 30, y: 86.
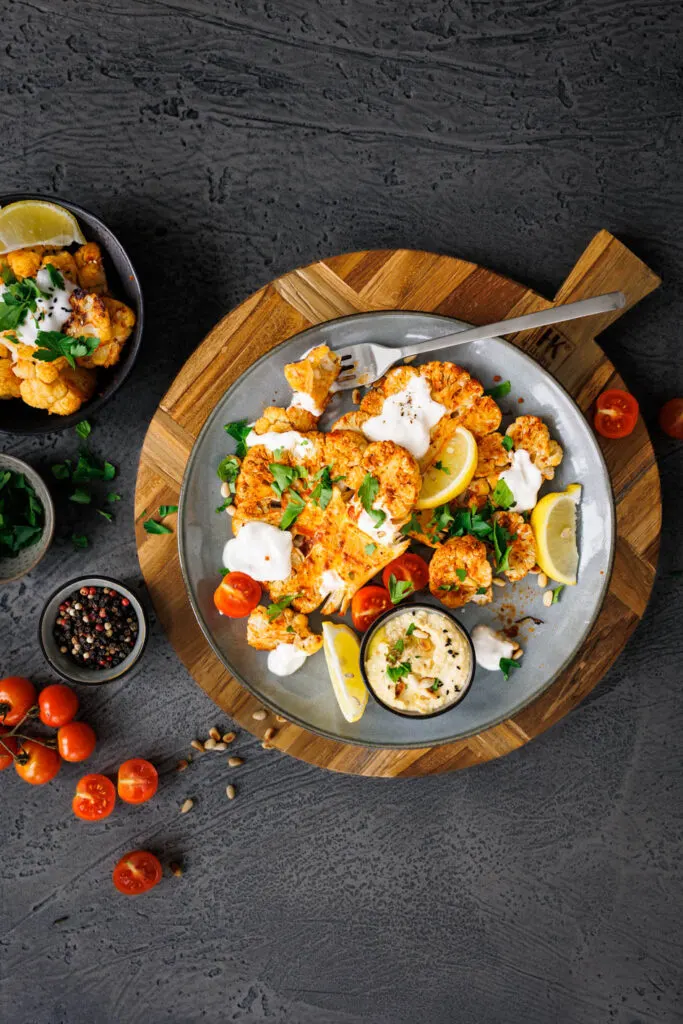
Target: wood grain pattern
x: 406, y: 279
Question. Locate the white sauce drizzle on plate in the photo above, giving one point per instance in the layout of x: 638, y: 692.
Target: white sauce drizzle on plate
x: 285, y: 659
x: 302, y: 400
x: 524, y: 480
x: 289, y: 440
x: 490, y: 647
x: 262, y: 551
x: 407, y: 418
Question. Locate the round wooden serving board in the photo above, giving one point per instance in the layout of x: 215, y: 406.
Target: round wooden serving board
x: 404, y: 279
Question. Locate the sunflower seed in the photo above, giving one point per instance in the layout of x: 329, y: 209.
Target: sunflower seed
x: 225, y: 490
x: 176, y: 870
x: 187, y: 805
x: 230, y: 792
x: 269, y: 733
x: 228, y: 737
x: 279, y: 718
x: 266, y: 745
x: 260, y: 715
x: 498, y: 582
x: 518, y: 654
x: 542, y: 580
x: 220, y: 746
x: 548, y: 598
x: 214, y: 733
x: 197, y: 745
x: 235, y: 762
x: 209, y: 744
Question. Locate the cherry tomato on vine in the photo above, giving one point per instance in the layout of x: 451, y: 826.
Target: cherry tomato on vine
x: 76, y: 741
x: 408, y: 567
x: 237, y: 595
x: 367, y: 604
x: 671, y: 418
x: 137, y: 872
x: 94, y: 798
x: 17, y: 695
x: 9, y: 743
x: 616, y: 413
x: 58, y: 705
x: 36, y: 763
x: 137, y: 781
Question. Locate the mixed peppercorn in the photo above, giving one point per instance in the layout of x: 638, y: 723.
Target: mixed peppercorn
x: 97, y: 627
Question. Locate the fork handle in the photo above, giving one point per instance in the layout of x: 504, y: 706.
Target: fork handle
x: 556, y: 315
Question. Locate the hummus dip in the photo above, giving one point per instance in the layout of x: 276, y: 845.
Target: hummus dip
x: 418, y: 661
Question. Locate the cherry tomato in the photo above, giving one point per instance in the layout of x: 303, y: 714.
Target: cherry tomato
x: 17, y: 695
x: 76, y: 741
x: 41, y: 765
x: 671, y: 418
x: 237, y: 595
x: 137, y: 872
x: 94, y: 798
x: 616, y: 413
x: 367, y: 605
x: 137, y: 781
x: 58, y: 705
x: 9, y: 743
x: 407, y: 567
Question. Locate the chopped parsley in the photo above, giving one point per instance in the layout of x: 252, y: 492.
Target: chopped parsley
x: 507, y: 665
x: 412, y: 526
x: 440, y: 521
x: 276, y: 609
x: 370, y: 549
x: 79, y: 540
x: 228, y: 469
x: 500, y: 390
x: 398, y: 589
x: 461, y: 574
x: 502, y: 495
x: 225, y: 504
x: 396, y: 672
x: 112, y: 497
x: 152, y: 526
x: 87, y: 468
x: 502, y: 546
x: 295, y: 507
x: 367, y: 492
x: 105, y: 515
x: 61, y: 470
x: 83, y: 429
x: 508, y: 443
x: 53, y: 345
x: 411, y: 629
x: 239, y: 430
x: 556, y: 593
x: 167, y: 510
x: 322, y: 492
x: 448, y: 586
x: 81, y: 496
x: 56, y: 279
x: 481, y: 590
x: 22, y: 515
x: 440, y: 466
x: 436, y: 685
x: 17, y: 300
x: 284, y: 476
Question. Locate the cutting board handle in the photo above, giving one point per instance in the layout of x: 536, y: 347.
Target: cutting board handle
x: 606, y: 265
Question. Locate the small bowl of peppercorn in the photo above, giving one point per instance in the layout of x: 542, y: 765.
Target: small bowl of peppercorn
x: 93, y: 630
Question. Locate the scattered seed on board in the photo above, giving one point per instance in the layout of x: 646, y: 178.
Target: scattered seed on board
x: 497, y: 582
x: 519, y: 653
x: 219, y: 746
x: 176, y: 870
x: 228, y: 737
x: 260, y: 715
x: 542, y: 580
x: 186, y: 805
x: 280, y: 718
x: 197, y: 745
x: 235, y: 762
x: 269, y: 733
x: 182, y: 765
x: 214, y: 733
x: 230, y: 792
x: 225, y: 490
x: 548, y: 598
x: 209, y: 744
x: 266, y: 745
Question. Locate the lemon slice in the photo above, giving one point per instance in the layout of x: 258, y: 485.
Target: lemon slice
x: 33, y: 222
x: 457, y: 462
x: 342, y: 653
x: 554, y: 524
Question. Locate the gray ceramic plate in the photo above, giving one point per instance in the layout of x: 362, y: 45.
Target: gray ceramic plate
x: 307, y: 697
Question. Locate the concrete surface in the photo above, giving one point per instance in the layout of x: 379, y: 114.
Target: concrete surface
x: 226, y: 143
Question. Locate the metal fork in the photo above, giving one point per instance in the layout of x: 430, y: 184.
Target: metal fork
x: 365, y: 363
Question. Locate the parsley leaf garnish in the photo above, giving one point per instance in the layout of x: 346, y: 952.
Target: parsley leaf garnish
x: 556, y: 593
x: 440, y: 466
x: 228, y: 469
x: 367, y: 492
x: 398, y: 589
x: 502, y: 546
x: 370, y: 549
x: 481, y: 590
x: 448, y: 586
x: 500, y: 390
x: 239, y: 430
x: 56, y: 279
x: 61, y: 470
x: 276, y: 609
x: 461, y: 574
x: 52, y: 345
x: 21, y: 514
x: 412, y: 526
x: 322, y: 492
x: 83, y: 429
x: 395, y: 672
x: 508, y: 443
x: 152, y: 526
x: 284, y: 476
x: 105, y: 515
x: 436, y: 685
x: 112, y: 497
x: 167, y: 510
x: 507, y: 665
x: 79, y: 540
x: 441, y: 519
x: 502, y: 495
x: 411, y: 629
x: 81, y: 496
x: 295, y: 507
x: 17, y: 300
x: 87, y: 468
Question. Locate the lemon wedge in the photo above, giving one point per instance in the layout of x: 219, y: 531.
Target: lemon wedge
x: 554, y: 524
x: 456, y: 464
x: 33, y: 222
x: 342, y: 653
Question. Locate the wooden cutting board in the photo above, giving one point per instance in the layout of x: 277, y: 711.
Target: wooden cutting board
x: 404, y: 279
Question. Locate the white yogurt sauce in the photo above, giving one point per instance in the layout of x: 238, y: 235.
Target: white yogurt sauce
x: 302, y: 400
x: 289, y: 440
x: 490, y: 647
x: 51, y: 312
x: 263, y: 551
x: 330, y: 582
x: 524, y: 480
x: 385, y: 533
x: 285, y: 659
x: 407, y: 418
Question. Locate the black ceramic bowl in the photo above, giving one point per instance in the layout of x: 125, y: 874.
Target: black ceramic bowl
x: 417, y: 606
x: 18, y: 418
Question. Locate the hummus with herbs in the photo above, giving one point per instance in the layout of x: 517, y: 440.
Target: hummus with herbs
x: 418, y: 662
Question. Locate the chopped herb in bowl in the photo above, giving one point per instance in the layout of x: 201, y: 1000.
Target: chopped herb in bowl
x: 22, y: 516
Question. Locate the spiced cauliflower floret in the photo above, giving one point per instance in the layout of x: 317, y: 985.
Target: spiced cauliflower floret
x: 460, y: 572
x: 90, y: 264
x: 9, y: 383
x: 398, y: 475
x: 63, y: 395
x: 522, y: 556
x: 312, y: 377
x: 531, y: 433
x: 26, y: 262
x: 289, y: 627
x: 62, y: 261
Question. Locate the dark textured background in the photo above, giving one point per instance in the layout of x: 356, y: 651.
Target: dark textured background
x: 226, y: 143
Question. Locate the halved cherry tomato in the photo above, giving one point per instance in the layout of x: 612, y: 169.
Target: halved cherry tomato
x: 237, y: 595
x: 76, y: 741
x: 616, y: 413
x: 36, y: 763
x: 137, y: 872
x: 407, y: 567
x: 137, y: 781
x: 671, y: 418
x: 368, y: 604
x: 94, y: 798
x: 8, y: 743
x: 58, y: 705
x: 17, y: 695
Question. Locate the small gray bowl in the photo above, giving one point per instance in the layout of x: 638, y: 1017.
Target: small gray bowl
x: 65, y: 665
x: 14, y: 568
